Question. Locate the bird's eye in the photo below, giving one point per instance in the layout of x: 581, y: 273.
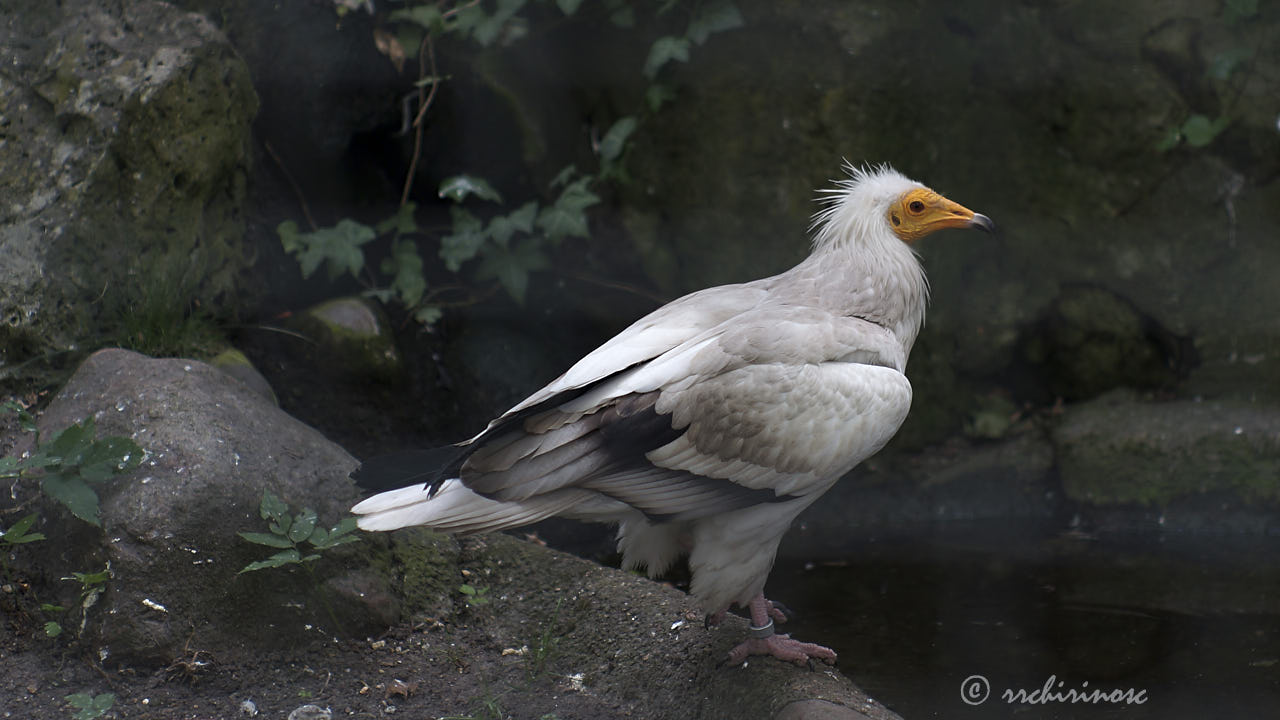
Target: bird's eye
x: 916, y: 206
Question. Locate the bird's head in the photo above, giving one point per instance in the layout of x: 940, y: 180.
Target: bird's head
x: 880, y: 203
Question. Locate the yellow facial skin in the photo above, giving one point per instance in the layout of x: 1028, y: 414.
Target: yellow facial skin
x: 922, y: 211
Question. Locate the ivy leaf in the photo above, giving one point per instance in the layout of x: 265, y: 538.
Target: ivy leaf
x: 511, y: 266
x: 73, y: 492
x: 425, y: 16
x: 402, y: 222
x: 564, y: 176
x: 464, y: 242
x: 713, y: 17
x: 428, y: 315
x: 613, y: 142
x: 568, y: 7
x: 503, y: 227
x: 1200, y: 130
x: 489, y: 27
x: 567, y: 217
x: 338, y: 245
x: 405, y: 267
x: 458, y: 187
x: 624, y: 17
x: 664, y: 50
x: 1236, y: 10
x: 268, y: 539
x: 658, y: 95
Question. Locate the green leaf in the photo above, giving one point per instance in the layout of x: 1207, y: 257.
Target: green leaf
x: 109, y: 457
x: 405, y: 267
x: 658, y: 95
x: 1200, y: 130
x: 564, y: 176
x: 1226, y: 62
x: 464, y: 242
x: 303, y: 523
x: 17, y: 533
x: 490, y: 27
x: 503, y: 227
x: 268, y: 539
x: 52, y: 629
x: 664, y: 50
x: 613, y: 142
x: 88, y: 580
x: 280, y: 559
x: 273, y: 508
x: 290, y: 238
x: 568, y: 7
x: 623, y: 17
x: 1170, y: 140
x: 425, y: 16
x: 428, y: 315
x: 1236, y: 10
x: 458, y: 187
x: 567, y: 217
x: 402, y: 222
x: 71, y: 443
x: 511, y: 266
x: 338, y: 246
x: 466, y: 589
x: 73, y: 492
x: 89, y: 706
x: 713, y: 17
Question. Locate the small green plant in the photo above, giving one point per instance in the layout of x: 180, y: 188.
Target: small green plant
x: 18, y: 534
x: 292, y: 532
x: 544, y: 647
x: 70, y: 461
x: 473, y: 595
x: 89, y: 706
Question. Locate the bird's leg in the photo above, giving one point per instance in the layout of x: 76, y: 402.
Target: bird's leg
x: 762, y: 640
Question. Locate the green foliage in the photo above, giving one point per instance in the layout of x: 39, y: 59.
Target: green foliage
x: 70, y: 461
x: 89, y: 706
x: 17, y: 533
x: 473, y: 595
x: 1199, y: 130
x: 289, y: 532
x: 339, y: 246
x: 487, y: 244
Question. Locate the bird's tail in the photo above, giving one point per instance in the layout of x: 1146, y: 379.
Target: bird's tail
x: 453, y: 508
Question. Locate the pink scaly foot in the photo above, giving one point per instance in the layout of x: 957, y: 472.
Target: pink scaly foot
x: 763, y: 641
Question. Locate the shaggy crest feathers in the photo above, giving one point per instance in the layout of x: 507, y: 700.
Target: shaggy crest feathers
x: 856, y: 207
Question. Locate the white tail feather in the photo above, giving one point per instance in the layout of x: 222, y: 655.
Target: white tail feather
x: 456, y: 509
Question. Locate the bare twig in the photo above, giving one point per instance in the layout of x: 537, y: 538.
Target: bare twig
x: 425, y: 50
x: 302, y: 200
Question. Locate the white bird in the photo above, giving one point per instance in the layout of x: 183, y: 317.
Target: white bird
x: 709, y: 424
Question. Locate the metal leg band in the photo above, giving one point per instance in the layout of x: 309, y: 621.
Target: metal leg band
x: 761, y: 632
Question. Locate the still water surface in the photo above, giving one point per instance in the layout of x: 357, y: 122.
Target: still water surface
x: 1190, y: 625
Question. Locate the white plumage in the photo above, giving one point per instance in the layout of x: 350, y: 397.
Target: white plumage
x: 707, y: 426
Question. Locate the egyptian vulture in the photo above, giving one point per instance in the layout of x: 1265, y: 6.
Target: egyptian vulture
x: 709, y: 424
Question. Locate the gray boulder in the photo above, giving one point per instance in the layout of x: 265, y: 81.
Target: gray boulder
x: 123, y: 166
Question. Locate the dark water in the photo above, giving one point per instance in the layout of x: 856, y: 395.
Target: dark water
x: 1190, y: 626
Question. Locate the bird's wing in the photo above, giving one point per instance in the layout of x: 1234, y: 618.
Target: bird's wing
x: 777, y: 401
x: 657, y: 333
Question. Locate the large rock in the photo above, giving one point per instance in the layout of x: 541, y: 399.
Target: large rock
x: 1120, y: 449
x: 123, y: 165
x: 169, y: 529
